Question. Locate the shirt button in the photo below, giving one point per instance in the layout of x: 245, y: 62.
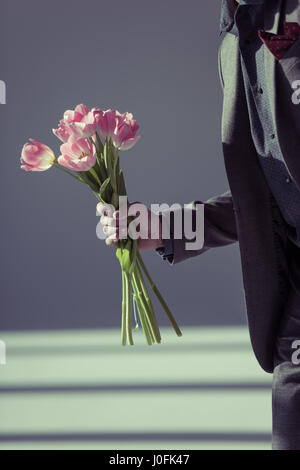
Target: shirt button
x: 288, y: 180
x: 272, y: 136
x: 260, y: 90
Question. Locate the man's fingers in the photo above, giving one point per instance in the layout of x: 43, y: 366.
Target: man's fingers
x: 104, y: 209
x: 104, y: 220
x: 117, y: 215
x: 109, y: 230
x: 113, y: 239
x: 109, y: 210
x: 115, y: 232
x: 111, y: 242
x: 114, y: 224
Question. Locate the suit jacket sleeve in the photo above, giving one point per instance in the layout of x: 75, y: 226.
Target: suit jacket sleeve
x: 219, y: 220
x: 219, y: 228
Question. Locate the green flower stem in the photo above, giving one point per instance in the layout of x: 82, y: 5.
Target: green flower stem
x: 113, y: 174
x: 93, y: 143
x: 116, y: 170
x: 159, y: 296
x: 145, y: 307
x: 68, y: 172
x: 128, y: 309
x: 135, y: 313
x: 143, y: 322
x: 141, y: 312
x: 150, y: 306
x: 123, y: 331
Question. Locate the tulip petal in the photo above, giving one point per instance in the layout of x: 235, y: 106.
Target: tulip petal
x: 36, y: 156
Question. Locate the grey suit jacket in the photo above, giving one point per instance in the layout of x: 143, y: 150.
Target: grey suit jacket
x: 247, y: 212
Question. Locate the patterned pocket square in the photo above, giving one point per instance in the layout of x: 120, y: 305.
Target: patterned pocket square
x: 279, y: 44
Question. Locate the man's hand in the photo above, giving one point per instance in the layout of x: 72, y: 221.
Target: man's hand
x: 111, y: 221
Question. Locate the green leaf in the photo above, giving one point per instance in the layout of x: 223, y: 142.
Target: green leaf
x: 100, y: 198
x: 96, y: 167
x: 89, y: 180
x: 122, y: 187
x: 102, y: 169
x: 115, y: 200
x: 107, y: 159
x: 104, y: 190
x: 94, y: 175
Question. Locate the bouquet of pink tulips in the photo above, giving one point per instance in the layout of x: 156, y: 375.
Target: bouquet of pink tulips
x: 96, y: 163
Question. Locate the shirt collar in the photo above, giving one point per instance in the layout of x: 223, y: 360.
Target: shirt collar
x: 228, y: 10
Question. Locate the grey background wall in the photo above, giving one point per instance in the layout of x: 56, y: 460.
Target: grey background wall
x: 157, y: 60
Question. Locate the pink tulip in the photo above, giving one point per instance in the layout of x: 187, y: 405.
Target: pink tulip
x: 63, y: 132
x: 107, y: 122
x: 81, y: 121
x: 36, y: 156
x: 121, y: 128
x: 125, y: 137
x: 77, y: 154
x: 76, y: 115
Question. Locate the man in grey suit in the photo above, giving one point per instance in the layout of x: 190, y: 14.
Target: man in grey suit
x: 259, y: 66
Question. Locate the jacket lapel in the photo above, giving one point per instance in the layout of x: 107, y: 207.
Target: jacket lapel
x: 272, y: 17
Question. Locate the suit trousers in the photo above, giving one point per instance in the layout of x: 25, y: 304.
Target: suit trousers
x: 286, y: 378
